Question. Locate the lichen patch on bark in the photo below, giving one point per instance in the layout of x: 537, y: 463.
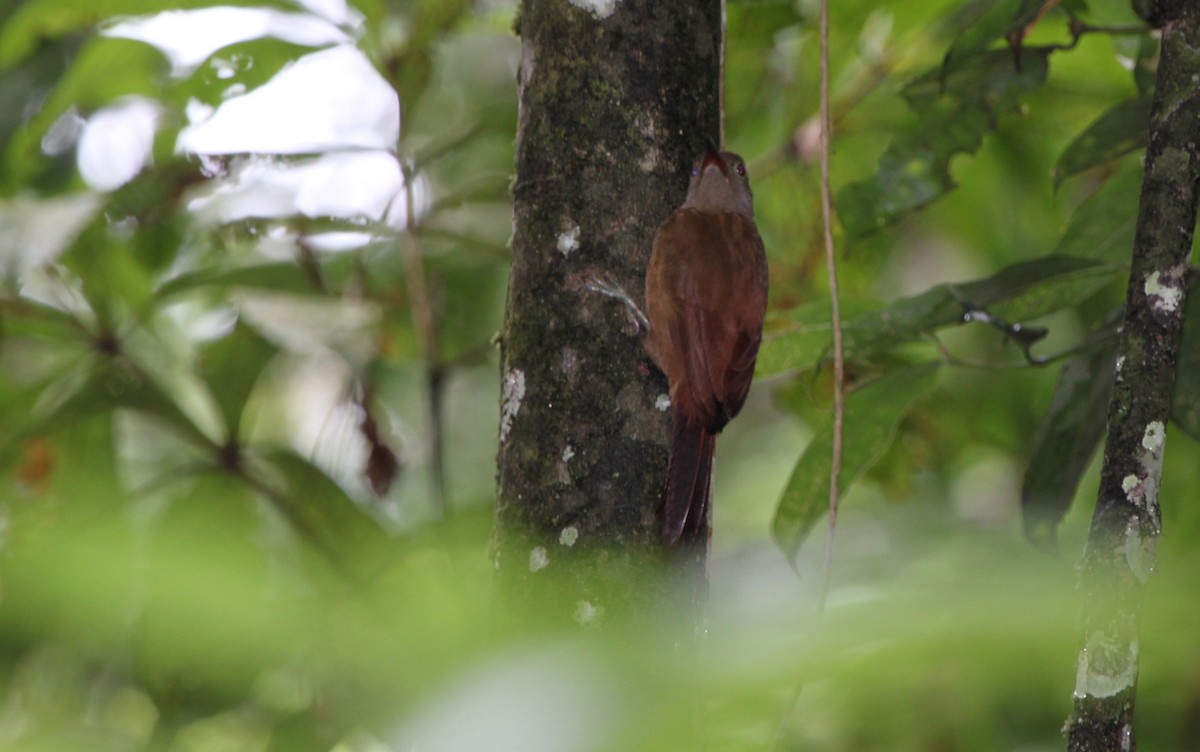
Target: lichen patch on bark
x: 1165, y: 292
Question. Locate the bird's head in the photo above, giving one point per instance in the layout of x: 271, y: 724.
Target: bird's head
x: 720, y: 183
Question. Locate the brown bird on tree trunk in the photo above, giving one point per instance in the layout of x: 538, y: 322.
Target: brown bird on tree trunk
x: 706, y: 295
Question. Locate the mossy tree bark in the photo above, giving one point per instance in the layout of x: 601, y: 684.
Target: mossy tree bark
x: 1126, y: 524
x: 616, y: 99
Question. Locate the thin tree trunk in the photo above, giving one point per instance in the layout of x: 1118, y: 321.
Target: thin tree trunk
x: 616, y: 100
x: 1126, y: 524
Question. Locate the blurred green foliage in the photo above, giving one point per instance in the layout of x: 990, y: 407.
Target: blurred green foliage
x: 220, y: 530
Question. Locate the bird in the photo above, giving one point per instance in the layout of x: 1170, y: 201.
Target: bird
x: 705, y: 298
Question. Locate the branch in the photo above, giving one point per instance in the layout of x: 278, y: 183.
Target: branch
x: 425, y: 326
x: 1125, y: 526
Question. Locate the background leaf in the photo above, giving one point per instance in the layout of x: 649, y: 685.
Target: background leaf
x: 802, y: 337
x: 1000, y: 19
x: 232, y: 366
x: 321, y: 512
x: 1185, y: 407
x: 1118, y: 131
x: 105, y: 384
x: 284, y: 277
x: 1067, y: 437
x: 104, y: 70
x: 954, y: 112
x: 873, y: 412
x: 1020, y: 292
x: 1102, y: 225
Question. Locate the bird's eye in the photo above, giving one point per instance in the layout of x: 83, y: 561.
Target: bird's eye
x: 741, y: 169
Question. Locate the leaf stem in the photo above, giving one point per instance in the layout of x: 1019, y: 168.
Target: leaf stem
x: 1037, y: 361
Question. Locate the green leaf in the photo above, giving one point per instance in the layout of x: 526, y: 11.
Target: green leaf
x: 953, y: 114
x: 280, y: 277
x: 465, y: 322
x: 41, y: 352
x: 1185, y: 409
x: 33, y: 319
x: 322, y: 513
x: 133, y: 240
x: 1145, y: 64
x: 1102, y: 226
x: 802, y: 337
x: 152, y: 203
x: 427, y: 22
x: 1031, y: 289
x: 1118, y: 131
x: 104, y: 70
x: 254, y: 62
x: 104, y: 384
x: 37, y: 75
x: 1002, y: 20
x: 1067, y: 436
x: 110, y: 275
x: 873, y: 413
x: 37, y: 20
x: 1066, y: 288
x: 232, y: 365
x: 1021, y: 291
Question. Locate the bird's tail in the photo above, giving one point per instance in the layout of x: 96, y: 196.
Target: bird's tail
x: 688, y: 493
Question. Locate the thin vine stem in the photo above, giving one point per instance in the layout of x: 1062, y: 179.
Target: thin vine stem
x: 839, y: 365
x: 839, y: 407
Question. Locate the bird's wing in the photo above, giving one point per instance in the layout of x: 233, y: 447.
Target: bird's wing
x: 712, y: 272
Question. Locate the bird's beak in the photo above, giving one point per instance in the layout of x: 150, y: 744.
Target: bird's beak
x: 714, y: 159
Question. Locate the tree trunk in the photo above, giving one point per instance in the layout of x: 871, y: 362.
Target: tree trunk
x: 1126, y: 524
x: 616, y: 100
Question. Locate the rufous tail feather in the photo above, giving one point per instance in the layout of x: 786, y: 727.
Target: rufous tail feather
x: 688, y: 492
